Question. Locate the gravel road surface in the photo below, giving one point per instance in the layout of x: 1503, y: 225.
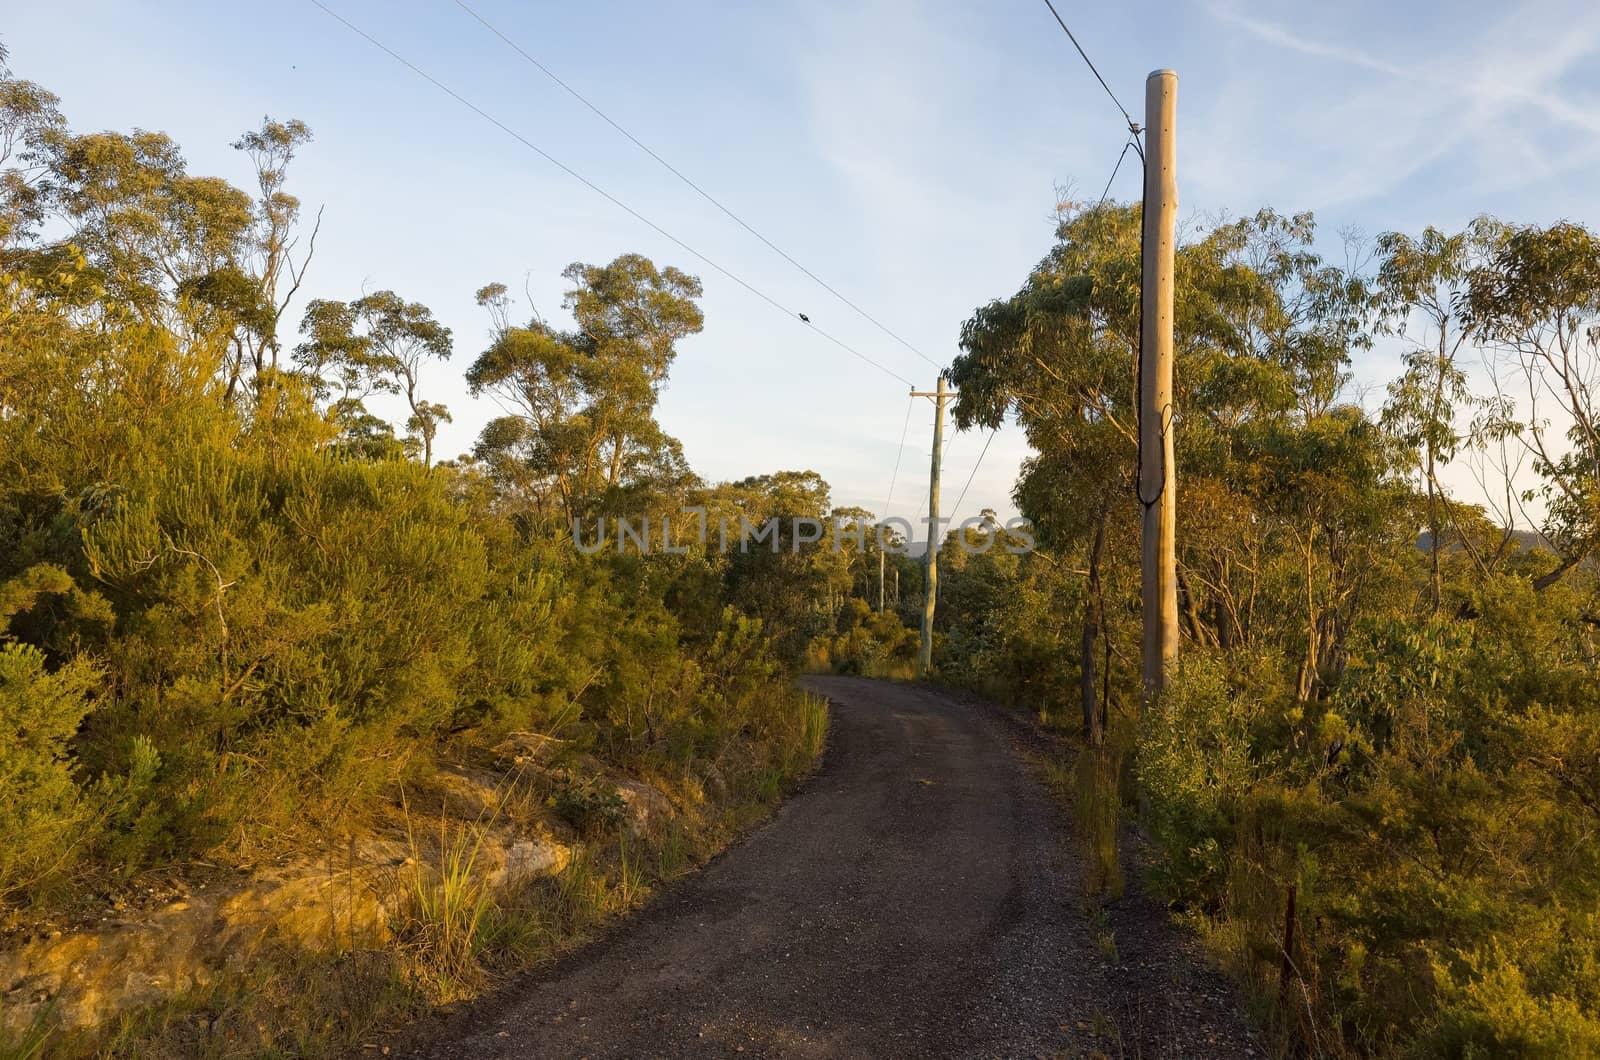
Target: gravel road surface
x: 919, y: 896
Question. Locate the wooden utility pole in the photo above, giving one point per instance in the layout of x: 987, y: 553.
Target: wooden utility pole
x: 880, y: 572
x: 931, y: 560
x: 1157, y: 475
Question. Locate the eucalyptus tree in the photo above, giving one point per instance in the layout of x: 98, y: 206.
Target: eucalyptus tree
x: 1422, y: 297
x: 145, y: 225
x: 30, y: 120
x: 630, y: 317
x: 580, y: 402
x: 1263, y: 333
x: 1536, y: 301
x: 268, y: 255
x: 142, y: 235
x: 378, y: 343
x: 790, y: 580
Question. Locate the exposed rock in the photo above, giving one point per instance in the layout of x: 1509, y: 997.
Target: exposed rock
x: 473, y: 793
x: 346, y: 902
x: 349, y: 908
x: 648, y: 806
x: 92, y: 975
x: 529, y: 859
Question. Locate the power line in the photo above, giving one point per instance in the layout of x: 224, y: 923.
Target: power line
x: 899, y: 453
x: 944, y: 460
x: 713, y: 200
x: 944, y: 451
x: 536, y: 149
x: 1133, y: 126
x: 957, y: 509
x: 1116, y: 169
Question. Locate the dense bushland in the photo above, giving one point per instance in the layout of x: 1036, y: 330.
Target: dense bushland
x: 1375, y: 783
x: 239, y: 610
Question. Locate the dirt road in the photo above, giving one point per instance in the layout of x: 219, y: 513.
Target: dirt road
x: 918, y: 897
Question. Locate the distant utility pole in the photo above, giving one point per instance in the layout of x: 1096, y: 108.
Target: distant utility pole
x: 1157, y: 474
x: 880, y: 571
x: 939, y: 396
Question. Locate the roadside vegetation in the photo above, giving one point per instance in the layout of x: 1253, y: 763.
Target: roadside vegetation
x: 242, y: 615
x: 245, y: 618
x: 1373, y: 785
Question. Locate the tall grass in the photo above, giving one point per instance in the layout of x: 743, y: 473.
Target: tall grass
x: 1098, y: 806
x: 31, y: 1040
x: 580, y: 893
x: 810, y: 734
x: 449, y: 907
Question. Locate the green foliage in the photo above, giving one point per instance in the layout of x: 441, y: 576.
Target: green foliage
x: 1385, y: 706
x: 866, y: 642
x: 240, y: 608
x: 589, y: 808
x: 1197, y: 764
x: 582, y: 402
x: 42, y: 810
x: 1539, y: 1001
x: 449, y: 908
x: 376, y: 344
x: 246, y: 609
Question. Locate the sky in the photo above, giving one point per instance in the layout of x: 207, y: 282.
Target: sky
x: 908, y: 154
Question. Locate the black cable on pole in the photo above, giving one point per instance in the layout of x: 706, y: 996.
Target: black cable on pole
x: 536, y: 149
x: 1138, y: 383
x: 974, y: 473
x: 713, y: 200
x: 1115, y: 170
x: 1133, y: 126
x: 1133, y: 141
x: 944, y: 454
x: 1138, y: 389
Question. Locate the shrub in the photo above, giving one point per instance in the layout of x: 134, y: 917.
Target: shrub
x: 43, y: 815
x: 1196, y: 764
x: 591, y: 809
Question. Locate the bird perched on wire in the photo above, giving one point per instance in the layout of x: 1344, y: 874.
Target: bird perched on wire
x: 804, y: 318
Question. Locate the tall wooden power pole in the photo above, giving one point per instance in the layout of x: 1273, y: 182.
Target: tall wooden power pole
x: 931, y: 560
x: 1157, y: 475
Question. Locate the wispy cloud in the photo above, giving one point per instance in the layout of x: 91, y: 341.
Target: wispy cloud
x: 1498, y: 112
x: 1496, y: 78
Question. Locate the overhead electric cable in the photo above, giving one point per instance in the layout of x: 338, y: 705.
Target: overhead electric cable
x: 712, y: 199
x: 1115, y: 170
x: 1133, y: 126
x: 899, y: 453
x: 957, y: 509
x: 503, y: 127
x: 1134, y: 130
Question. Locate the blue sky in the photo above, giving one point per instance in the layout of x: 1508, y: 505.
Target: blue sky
x: 906, y: 153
